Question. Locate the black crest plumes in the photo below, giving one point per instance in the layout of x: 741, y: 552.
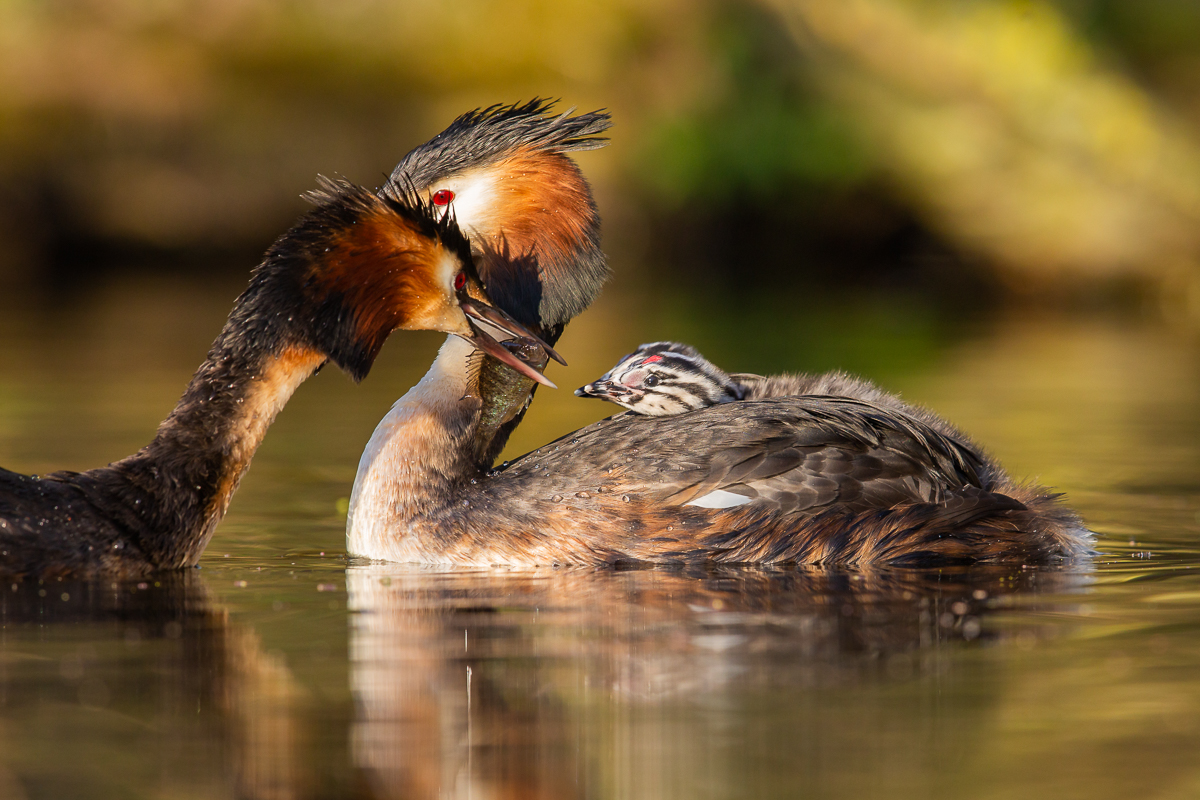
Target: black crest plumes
x: 485, y: 135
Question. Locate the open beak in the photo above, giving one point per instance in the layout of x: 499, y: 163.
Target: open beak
x: 607, y: 390
x: 594, y: 389
x: 476, y: 310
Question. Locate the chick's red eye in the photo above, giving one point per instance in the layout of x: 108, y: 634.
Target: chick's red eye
x: 442, y: 197
x: 460, y: 280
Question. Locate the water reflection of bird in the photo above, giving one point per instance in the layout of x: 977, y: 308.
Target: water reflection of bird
x: 164, y: 653
x: 807, y: 479
x: 331, y: 289
x: 504, y: 681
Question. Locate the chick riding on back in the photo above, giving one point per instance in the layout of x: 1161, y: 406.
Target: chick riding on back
x: 662, y: 379
x: 667, y: 378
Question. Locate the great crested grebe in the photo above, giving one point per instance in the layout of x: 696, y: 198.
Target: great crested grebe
x: 350, y: 272
x: 852, y: 478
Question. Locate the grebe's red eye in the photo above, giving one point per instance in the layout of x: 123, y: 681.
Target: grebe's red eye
x: 442, y: 197
x: 460, y: 280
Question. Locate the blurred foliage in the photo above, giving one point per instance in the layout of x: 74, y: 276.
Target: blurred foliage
x: 902, y: 141
x: 760, y: 131
x: 1159, y: 38
x: 1011, y: 135
x: 181, y: 125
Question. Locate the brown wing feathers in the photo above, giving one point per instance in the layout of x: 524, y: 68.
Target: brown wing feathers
x: 831, y: 480
x: 818, y: 451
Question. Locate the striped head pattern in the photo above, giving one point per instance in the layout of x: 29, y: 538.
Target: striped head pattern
x: 662, y: 379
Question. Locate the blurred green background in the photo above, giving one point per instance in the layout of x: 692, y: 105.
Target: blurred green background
x: 947, y: 150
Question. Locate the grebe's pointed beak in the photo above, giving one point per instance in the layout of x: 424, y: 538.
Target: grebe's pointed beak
x: 476, y: 310
x: 494, y: 316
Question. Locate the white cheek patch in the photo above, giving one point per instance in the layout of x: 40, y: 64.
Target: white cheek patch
x: 719, y: 499
x: 474, y: 195
x: 448, y: 268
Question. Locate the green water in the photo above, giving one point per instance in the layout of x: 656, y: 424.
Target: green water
x: 282, y: 670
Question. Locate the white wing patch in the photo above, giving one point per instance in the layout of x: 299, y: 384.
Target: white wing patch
x: 719, y: 499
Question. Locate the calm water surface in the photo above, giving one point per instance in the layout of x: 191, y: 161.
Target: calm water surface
x: 281, y: 669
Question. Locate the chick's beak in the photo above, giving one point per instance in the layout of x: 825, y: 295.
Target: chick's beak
x: 594, y: 389
x: 494, y: 317
x: 606, y: 389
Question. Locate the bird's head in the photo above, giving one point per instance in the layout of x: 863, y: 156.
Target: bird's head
x: 663, y: 379
x: 359, y: 266
x: 503, y: 172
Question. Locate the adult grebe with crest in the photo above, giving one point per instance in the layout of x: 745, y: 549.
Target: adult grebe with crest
x: 353, y: 270
x: 841, y: 478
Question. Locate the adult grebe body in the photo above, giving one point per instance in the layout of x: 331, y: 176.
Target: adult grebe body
x: 853, y: 477
x: 806, y: 479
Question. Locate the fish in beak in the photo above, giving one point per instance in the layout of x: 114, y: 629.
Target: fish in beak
x: 483, y: 317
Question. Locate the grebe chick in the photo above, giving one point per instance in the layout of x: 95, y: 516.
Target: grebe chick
x: 665, y: 378
x: 662, y: 379
x: 332, y: 288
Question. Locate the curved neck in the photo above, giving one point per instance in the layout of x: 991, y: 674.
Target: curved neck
x: 415, y: 459
x: 179, y: 486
